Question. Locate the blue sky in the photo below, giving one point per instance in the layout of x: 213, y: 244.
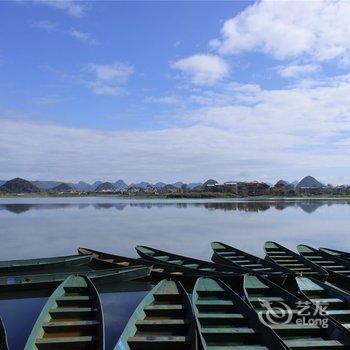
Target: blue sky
x: 174, y: 91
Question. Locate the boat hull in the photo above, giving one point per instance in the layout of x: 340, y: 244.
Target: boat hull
x: 163, y: 320
x: 72, y: 318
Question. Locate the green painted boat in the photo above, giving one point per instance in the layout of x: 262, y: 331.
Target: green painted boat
x: 282, y: 311
x: 183, y: 263
x: 3, y: 338
x: 227, y: 255
x: 296, y: 263
x: 337, y: 253
x: 46, y: 281
x: 72, y: 318
x: 337, y: 302
x: 226, y: 322
x: 43, y: 264
x: 338, y: 269
x: 159, y: 271
x: 163, y: 320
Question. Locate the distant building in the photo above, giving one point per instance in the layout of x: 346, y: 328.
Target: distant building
x: 253, y: 188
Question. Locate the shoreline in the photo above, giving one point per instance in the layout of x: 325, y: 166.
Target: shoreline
x: 227, y: 197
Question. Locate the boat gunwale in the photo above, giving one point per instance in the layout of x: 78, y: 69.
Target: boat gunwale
x: 325, y: 255
x: 344, y: 256
x: 225, y: 270
x: 332, y: 325
x: 269, y: 336
x: 337, y: 292
x: 319, y: 271
x: 283, y: 271
x: 45, y: 281
x: 170, y: 271
x: 43, y: 262
x: 3, y: 336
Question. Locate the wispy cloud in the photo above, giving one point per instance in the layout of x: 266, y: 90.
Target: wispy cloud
x: 168, y: 100
x: 48, y: 26
x: 202, y: 69
x: 297, y: 70
x: 108, y: 79
x: 73, y: 8
x: 82, y: 36
x: 47, y: 100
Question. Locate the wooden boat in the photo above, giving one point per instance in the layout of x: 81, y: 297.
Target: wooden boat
x: 163, y: 320
x: 3, y: 338
x: 338, y: 269
x: 159, y: 271
x: 337, y: 302
x: 225, y: 321
x: 44, y: 264
x: 72, y: 318
x: 183, y: 263
x: 46, y: 281
x: 337, y: 253
x: 268, y: 299
x: 293, y: 261
x: 227, y: 255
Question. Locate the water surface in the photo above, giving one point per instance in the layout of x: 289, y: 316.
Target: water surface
x: 57, y: 226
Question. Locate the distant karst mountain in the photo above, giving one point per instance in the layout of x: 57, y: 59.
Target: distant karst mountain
x: 63, y: 187
x: 281, y: 183
x: 159, y: 185
x: 178, y: 184
x: 19, y: 185
x: 210, y: 182
x: 83, y: 186
x: 309, y: 181
x: 120, y: 185
x: 192, y: 185
x: 105, y: 187
x: 95, y: 185
x: 46, y: 185
x: 142, y: 184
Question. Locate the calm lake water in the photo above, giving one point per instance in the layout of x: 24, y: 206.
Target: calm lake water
x: 58, y: 226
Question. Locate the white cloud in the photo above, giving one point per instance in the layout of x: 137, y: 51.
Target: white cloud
x: 296, y: 70
x: 262, y: 133
x: 108, y: 78
x: 73, y: 8
x: 82, y: 36
x: 115, y: 72
x: 202, y: 69
x: 317, y: 30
